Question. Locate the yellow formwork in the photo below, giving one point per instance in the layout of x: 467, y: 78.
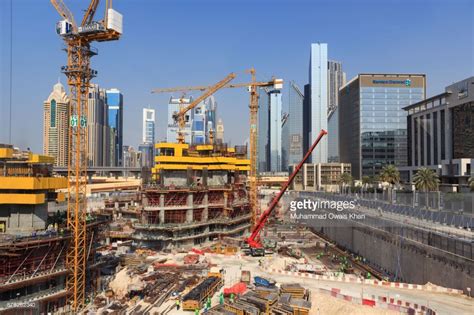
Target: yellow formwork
x: 22, y: 199
x: 33, y: 183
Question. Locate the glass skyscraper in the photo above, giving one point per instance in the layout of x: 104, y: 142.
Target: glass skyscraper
x: 318, y: 80
x: 115, y: 122
x: 269, y: 131
x: 372, y: 122
x: 333, y: 136
x: 295, y: 123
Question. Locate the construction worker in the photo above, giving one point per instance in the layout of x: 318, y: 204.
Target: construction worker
x: 232, y: 297
x: 208, y: 304
x: 221, y: 298
x: 177, y: 304
x: 196, y: 311
x: 368, y: 275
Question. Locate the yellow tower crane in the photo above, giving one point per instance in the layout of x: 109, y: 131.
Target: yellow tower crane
x: 253, y: 106
x: 179, y: 117
x: 78, y: 41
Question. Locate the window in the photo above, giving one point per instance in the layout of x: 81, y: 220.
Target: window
x: 52, y: 115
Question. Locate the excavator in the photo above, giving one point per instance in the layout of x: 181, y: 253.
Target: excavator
x: 252, y: 244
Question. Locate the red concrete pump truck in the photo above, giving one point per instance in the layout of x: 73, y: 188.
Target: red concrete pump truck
x: 253, y: 242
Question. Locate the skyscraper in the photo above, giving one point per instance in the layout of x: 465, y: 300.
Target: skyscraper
x: 220, y: 131
x: 295, y: 123
x: 199, y: 126
x: 333, y: 136
x: 211, y: 109
x: 336, y: 79
x: 56, y: 125
x: 372, y: 122
x: 318, y: 80
x: 285, y: 141
x: 98, y: 129
x: 174, y: 106
x: 115, y: 123
x: 269, y: 131
x: 148, y: 135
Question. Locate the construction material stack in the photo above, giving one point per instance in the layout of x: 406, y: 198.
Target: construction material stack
x: 196, y: 298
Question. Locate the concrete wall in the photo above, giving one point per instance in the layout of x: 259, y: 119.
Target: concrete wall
x: 412, y: 261
x: 24, y: 218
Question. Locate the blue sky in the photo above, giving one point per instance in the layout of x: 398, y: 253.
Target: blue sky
x: 196, y: 42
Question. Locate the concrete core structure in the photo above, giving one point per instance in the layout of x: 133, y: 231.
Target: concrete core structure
x: 198, y: 194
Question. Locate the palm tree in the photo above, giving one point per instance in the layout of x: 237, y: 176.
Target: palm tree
x: 471, y: 182
x: 366, y: 181
x: 426, y: 180
x: 345, y: 179
x: 391, y: 175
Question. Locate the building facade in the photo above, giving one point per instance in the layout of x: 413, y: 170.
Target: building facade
x: 318, y: 80
x: 199, y: 125
x: 174, y: 106
x: 56, y: 125
x: 336, y: 79
x: 295, y: 123
x: 131, y: 157
x: 220, y: 131
x: 146, y: 154
x: 148, y: 126
x: 269, y: 131
x: 333, y: 136
x: 99, y: 132
x: 319, y: 176
x: 115, y: 124
x: 441, y: 135
x: 372, y: 122
x: 285, y: 141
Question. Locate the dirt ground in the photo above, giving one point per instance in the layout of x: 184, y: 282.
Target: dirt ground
x: 325, y: 305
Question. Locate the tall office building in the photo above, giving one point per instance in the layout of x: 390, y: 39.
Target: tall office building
x: 146, y: 154
x: 441, y: 135
x: 98, y: 129
x: 174, y: 106
x: 336, y: 79
x: 56, y: 125
x: 372, y: 122
x: 333, y: 136
x: 199, y: 125
x: 295, y: 123
x: 220, y: 131
x: 115, y: 123
x: 148, y: 125
x: 269, y: 131
x: 318, y: 80
x: 211, y: 111
x: 285, y: 141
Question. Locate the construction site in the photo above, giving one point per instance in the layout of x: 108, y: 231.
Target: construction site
x: 202, y: 232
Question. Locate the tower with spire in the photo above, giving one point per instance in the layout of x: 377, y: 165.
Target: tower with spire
x: 56, y: 125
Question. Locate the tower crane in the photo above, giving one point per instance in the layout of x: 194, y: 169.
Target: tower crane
x: 253, y: 91
x: 78, y: 41
x: 179, y: 117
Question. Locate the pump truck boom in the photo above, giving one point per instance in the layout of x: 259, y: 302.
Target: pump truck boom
x: 253, y: 242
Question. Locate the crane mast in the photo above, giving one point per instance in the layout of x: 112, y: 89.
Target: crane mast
x: 79, y: 74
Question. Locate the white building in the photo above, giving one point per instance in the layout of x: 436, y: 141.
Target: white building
x: 318, y: 80
x: 148, y: 132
